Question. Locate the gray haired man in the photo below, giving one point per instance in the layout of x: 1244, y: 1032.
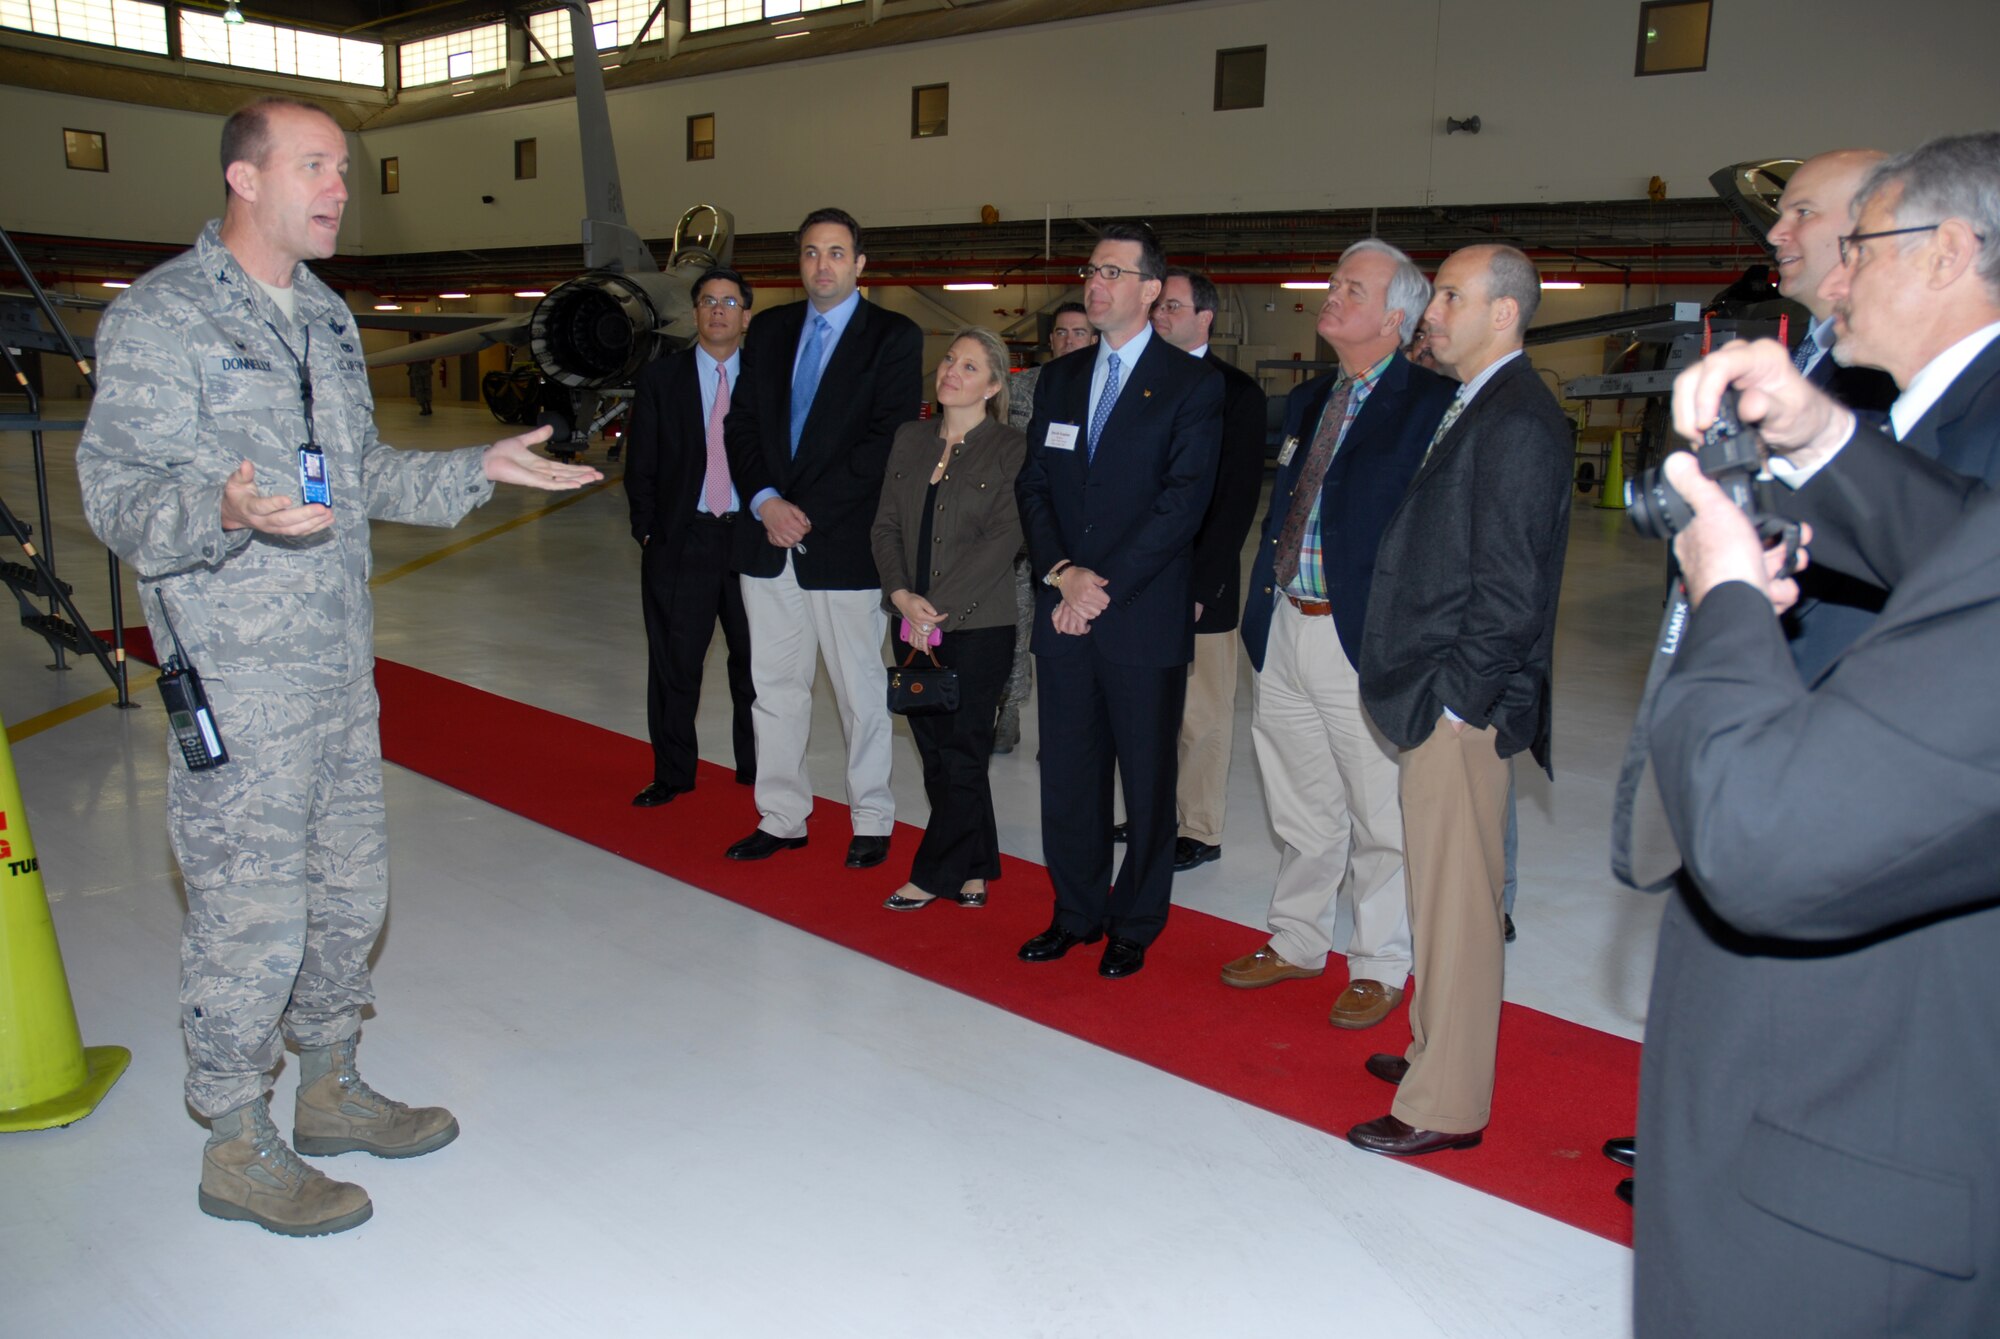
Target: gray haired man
x: 231, y: 460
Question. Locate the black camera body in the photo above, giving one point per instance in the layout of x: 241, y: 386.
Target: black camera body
x: 1730, y: 454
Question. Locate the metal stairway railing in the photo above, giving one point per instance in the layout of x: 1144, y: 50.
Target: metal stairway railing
x: 60, y: 625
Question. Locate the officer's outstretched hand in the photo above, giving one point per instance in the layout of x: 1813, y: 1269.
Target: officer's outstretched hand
x: 244, y: 508
x: 511, y: 461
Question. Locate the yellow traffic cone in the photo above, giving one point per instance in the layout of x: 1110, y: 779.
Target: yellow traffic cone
x: 47, y: 1077
x: 1612, y: 496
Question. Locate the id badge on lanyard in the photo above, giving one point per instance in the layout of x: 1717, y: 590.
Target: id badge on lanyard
x: 314, y: 490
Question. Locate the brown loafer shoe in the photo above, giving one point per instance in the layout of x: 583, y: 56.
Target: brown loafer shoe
x: 1386, y: 1134
x: 1264, y: 968
x: 1388, y: 1068
x: 1364, y: 1004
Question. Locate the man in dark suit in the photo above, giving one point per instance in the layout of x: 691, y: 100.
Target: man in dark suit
x: 1351, y: 444
x: 1183, y: 317
x: 684, y: 508
x: 1122, y: 455
x: 827, y: 382
x: 1817, y: 1093
x: 1455, y: 667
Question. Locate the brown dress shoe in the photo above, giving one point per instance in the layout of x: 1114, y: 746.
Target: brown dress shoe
x: 1263, y: 968
x: 1364, y: 1004
x: 1386, y: 1134
x: 1388, y: 1068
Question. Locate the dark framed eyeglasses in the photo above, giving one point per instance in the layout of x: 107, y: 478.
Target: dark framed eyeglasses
x: 1851, y: 248
x: 1112, y: 273
x: 1174, y: 306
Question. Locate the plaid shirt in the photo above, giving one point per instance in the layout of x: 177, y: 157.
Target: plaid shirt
x: 1310, y: 583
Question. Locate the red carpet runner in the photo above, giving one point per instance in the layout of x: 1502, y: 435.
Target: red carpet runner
x: 1563, y: 1088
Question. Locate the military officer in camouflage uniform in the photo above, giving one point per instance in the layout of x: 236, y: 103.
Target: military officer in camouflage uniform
x: 215, y: 372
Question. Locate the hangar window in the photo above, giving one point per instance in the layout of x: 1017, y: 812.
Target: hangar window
x: 459, y: 55
x: 614, y: 23
x: 1239, y: 78
x: 706, y: 14
x: 524, y: 160
x: 281, y: 50
x: 84, y: 150
x: 392, y: 176
x: 701, y: 137
x: 130, y: 24
x: 1673, y: 37
x: 930, y: 107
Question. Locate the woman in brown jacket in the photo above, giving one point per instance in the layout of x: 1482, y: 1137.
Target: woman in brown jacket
x: 945, y: 537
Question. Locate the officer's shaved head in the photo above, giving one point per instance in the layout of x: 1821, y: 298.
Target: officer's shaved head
x: 246, y: 135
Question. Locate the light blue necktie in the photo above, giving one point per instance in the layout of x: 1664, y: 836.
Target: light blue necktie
x: 1104, y: 403
x: 805, y: 381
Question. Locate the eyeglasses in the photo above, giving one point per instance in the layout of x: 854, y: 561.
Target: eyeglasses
x: 1853, y: 253
x: 710, y: 301
x: 1174, y: 306
x: 1111, y: 274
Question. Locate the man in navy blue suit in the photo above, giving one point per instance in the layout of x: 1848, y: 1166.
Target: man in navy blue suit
x: 1352, y: 442
x: 1122, y: 454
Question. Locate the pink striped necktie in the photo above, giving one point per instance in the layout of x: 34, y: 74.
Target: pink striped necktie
x: 715, y: 489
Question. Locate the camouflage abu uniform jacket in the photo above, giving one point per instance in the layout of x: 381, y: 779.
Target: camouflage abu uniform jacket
x: 193, y: 379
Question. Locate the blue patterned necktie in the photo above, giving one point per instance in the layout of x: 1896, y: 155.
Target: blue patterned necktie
x: 1104, y: 403
x: 805, y: 381
x: 1807, y: 350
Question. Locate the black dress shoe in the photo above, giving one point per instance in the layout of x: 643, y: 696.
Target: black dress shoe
x: 744, y: 778
x: 1053, y: 942
x: 1507, y: 928
x: 1121, y: 832
x: 1623, y: 1190
x: 1624, y: 1151
x: 1122, y: 957
x: 1188, y: 853
x: 867, y: 852
x: 656, y: 794
x: 1386, y: 1134
x: 1388, y: 1068
x: 761, y: 845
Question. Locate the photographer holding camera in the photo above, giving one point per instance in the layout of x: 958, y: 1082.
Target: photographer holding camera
x: 1820, y: 1075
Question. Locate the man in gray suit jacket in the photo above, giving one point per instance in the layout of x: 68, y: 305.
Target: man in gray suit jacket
x: 1819, y: 1082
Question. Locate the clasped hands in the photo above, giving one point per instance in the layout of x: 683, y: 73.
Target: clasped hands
x: 1083, y: 599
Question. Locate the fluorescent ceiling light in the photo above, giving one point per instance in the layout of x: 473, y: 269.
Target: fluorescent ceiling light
x: 797, y: 32
x: 531, y: 293
x: 388, y: 306
x: 442, y: 296
x: 1305, y: 285
x: 1561, y: 283
x: 970, y: 288
x: 114, y: 283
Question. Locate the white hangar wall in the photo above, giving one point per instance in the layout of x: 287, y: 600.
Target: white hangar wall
x: 1111, y: 115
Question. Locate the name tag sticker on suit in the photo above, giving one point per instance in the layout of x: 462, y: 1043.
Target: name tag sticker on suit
x: 1061, y: 437
x: 1287, y: 451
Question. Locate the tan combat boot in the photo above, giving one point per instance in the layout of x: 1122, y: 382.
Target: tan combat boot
x: 338, y: 1113
x: 249, y: 1176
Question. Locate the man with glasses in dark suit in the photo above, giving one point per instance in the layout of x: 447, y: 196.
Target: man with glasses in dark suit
x: 1122, y: 455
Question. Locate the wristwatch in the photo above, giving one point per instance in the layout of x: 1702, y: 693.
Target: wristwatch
x: 1054, y: 577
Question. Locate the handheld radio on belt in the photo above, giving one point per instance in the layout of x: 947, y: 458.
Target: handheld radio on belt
x: 188, y: 715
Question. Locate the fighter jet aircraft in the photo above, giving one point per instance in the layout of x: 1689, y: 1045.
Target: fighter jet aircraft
x: 591, y: 335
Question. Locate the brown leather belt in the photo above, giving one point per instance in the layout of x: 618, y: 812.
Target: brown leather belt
x: 1310, y: 608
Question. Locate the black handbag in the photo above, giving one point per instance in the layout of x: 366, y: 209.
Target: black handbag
x: 922, y: 690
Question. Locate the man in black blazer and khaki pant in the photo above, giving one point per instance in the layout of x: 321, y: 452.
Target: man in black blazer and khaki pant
x: 1455, y: 664
x: 684, y: 507
x: 1121, y: 460
x: 1819, y: 1080
x: 827, y: 383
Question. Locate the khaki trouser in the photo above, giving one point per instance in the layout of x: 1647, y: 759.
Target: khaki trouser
x: 1208, y: 732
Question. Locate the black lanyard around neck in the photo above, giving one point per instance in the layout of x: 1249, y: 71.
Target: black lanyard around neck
x: 305, y: 376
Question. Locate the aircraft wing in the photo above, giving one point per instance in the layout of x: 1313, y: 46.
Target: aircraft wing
x: 506, y: 330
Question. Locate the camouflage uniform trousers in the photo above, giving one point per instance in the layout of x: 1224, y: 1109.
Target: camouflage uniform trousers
x: 284, y: 854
